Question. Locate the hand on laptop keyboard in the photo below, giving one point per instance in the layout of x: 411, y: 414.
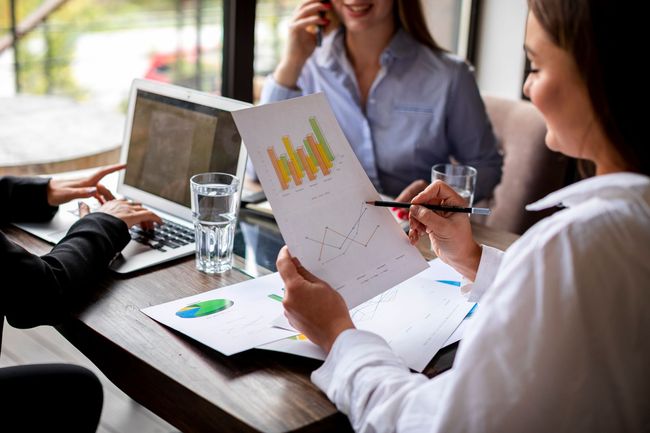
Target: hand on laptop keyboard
x: 163, y: 237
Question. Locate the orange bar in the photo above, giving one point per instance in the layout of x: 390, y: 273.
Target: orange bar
x: 319, y: 149
x: 274, y: 160
x: 305, y: 164
x: 319, y: 157
x: 294, y: 173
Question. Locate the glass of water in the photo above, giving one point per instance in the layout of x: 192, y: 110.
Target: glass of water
x: 215, y: 204
x: 462, y: 178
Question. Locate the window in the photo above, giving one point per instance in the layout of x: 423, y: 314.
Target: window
x: 69, y: 77
x: 272, y: 18
x: 91, y: 50
x: 450, y: 22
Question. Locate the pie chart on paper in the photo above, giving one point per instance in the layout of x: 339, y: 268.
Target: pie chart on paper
x: 204, y: 308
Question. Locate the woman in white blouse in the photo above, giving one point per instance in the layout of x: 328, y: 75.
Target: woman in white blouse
x: 561, y: 341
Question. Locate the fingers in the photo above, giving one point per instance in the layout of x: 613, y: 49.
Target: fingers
x: 145, y: 216
x: 428, y: 219
x: 437, y: 193
x: 411, y: 191
x: 64, y: 195
x: 310, y: 23
x: 413, y: 236
x: 286, y: 266
x: 308, y: 15
x: 416, y: 230
x: 83, y: 209
x: 130, y: 213
x: 95, y: 178
x: 103, y: 194
x: 311, y: 8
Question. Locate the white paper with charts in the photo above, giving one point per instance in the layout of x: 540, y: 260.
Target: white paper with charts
x: 318, y: 189
x: 417, y: 317
x: 230, y: 319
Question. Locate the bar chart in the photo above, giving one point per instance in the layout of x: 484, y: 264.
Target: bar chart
x: 312, y: 159
x: 318, y: 190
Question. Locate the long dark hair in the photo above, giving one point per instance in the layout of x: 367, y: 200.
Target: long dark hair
x: 605, y: 37
x: 410, y: 17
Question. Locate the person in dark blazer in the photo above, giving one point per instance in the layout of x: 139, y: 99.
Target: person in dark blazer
x: 38, y: 290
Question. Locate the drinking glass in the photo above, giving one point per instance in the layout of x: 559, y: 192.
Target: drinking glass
x: 462, y: 178
x: 215, y: 205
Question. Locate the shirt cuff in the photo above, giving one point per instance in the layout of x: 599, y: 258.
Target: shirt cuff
x: 272, y: 91
x: 351, y: 349
x: 485, y: 275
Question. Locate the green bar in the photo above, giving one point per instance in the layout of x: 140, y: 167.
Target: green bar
x: 275, y: 297
x: 311, y: 154
x: 321, y: 138
x: 285, y: 163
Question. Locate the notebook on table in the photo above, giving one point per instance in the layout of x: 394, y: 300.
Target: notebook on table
x: 171, y: 134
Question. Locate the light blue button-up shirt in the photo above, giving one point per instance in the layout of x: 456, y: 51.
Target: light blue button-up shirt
x: 422, y: 109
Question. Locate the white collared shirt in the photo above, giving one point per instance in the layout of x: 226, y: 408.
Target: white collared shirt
x: 560, y: 343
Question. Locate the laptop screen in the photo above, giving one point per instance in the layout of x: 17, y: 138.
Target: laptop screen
x: 172, y: 140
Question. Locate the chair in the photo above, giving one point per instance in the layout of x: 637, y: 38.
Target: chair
x: 530, y: 169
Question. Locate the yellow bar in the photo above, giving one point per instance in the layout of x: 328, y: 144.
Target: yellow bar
x: 292, y: 156
x: 285, y: 168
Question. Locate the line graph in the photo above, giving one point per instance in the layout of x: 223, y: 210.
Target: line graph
x: 368, y: 310
x: 336, y: 243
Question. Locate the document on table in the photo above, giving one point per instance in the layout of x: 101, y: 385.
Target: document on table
x: 318, y: 189
x: 230, y: 319
x: 416, y: 317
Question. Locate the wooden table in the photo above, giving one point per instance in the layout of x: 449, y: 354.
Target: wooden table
x: 191, y: 386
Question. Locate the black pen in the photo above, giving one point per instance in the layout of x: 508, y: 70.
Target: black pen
x: 471, y: 210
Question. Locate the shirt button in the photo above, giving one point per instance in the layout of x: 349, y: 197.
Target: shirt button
x: 372, y: 101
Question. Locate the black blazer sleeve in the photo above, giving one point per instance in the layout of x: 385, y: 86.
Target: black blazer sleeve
x: 24, y: 199
x: 39, y: 290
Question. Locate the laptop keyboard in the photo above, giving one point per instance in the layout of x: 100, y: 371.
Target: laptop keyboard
x: 163, y: 237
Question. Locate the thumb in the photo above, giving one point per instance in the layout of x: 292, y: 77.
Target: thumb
x: 304, y: 272
x: 286, y: 265
x: 427, y: 217
x: 83, y: 209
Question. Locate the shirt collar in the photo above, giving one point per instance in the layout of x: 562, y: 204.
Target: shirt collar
x: 615, y: 185
x: 332, y: 50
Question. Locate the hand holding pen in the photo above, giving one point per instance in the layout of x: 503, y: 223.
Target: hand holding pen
x: 450, y: 232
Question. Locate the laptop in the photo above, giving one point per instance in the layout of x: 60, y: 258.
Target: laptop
x: 171, y: 134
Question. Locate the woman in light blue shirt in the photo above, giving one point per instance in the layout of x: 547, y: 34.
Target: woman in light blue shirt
x: 403, y: 103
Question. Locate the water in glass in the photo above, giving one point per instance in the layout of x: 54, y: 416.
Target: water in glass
x: 215, y: 218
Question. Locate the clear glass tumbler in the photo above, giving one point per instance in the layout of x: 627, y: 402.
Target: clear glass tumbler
x: 462, y: 178
x: 215, y: 205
